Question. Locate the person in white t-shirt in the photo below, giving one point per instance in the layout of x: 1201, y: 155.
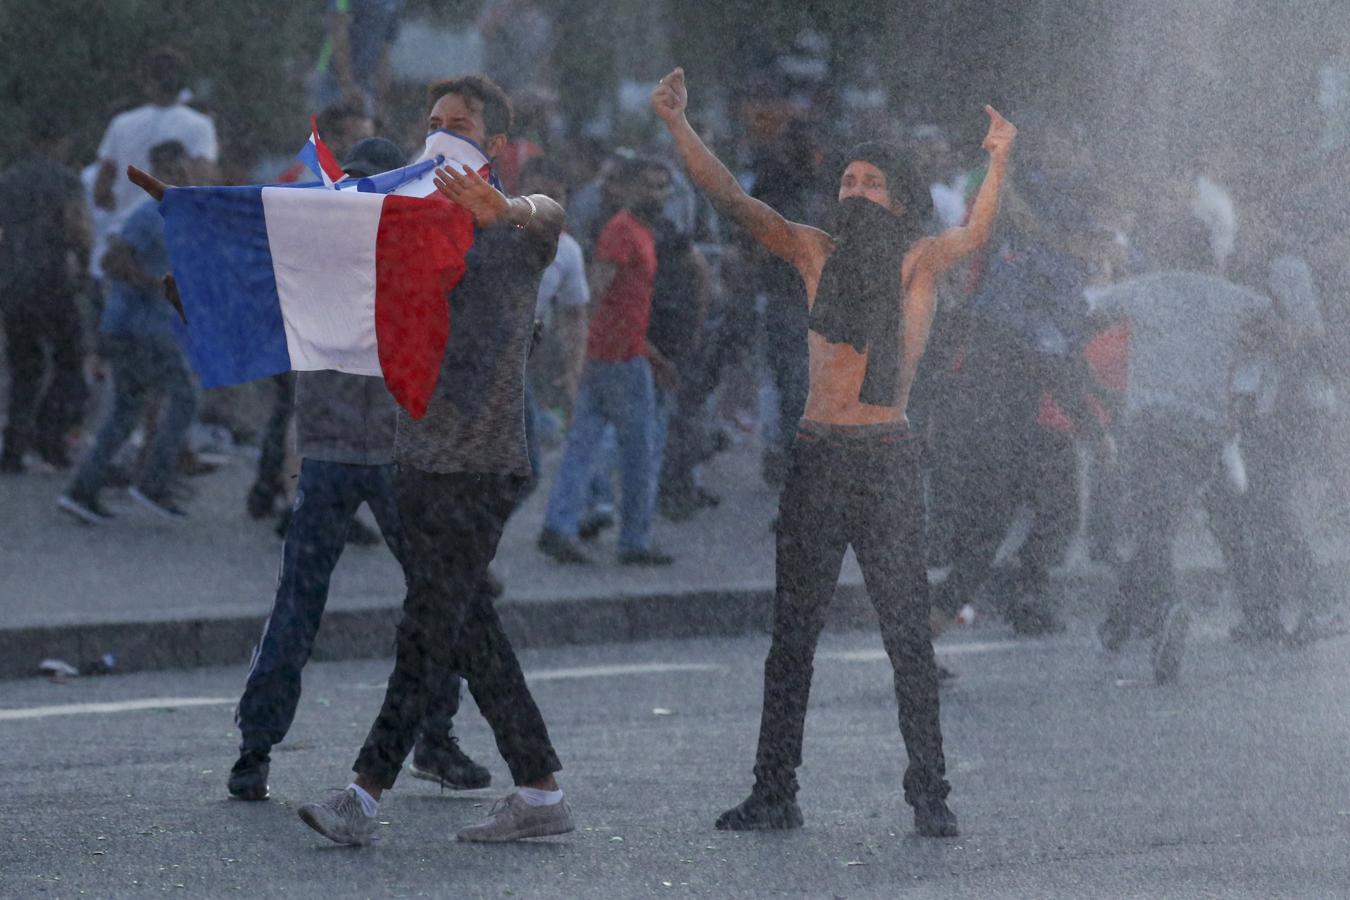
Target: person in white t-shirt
x: 131, y: 134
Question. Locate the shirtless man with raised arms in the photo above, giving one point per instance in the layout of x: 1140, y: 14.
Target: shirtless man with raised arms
x: 853, y: 477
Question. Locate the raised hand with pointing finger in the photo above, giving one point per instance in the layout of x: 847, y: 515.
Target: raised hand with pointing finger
x: 1002, y: 134
x: 671, y: 98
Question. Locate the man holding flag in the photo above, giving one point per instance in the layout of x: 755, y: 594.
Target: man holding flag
x: 356, y: 280
x: 460, y: 467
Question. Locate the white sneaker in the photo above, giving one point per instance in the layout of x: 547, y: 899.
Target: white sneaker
x: 512, y: 819
x: 340, y: 818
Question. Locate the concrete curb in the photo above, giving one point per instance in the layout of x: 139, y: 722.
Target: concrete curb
x: 369, y: 633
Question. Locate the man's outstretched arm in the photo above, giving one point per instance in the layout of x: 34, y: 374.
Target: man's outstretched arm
x: 955, y: 244
x: 800, y: 245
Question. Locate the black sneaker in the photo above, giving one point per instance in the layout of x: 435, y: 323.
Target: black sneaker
x: 448, y: 766
x: 160, y: 503
x: 933, y: 819
x: 759, y: 813
x: 11, y: 465
x: 248, y: 778
x: 561, y: 548
x: 591, y: 524
x: 647, y: 557
x: 87, y: 509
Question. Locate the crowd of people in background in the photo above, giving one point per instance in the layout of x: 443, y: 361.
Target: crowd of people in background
x: 1118, y: 352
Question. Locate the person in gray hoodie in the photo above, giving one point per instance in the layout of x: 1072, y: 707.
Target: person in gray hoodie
x: 1189, y: 329
x: 345, y: 426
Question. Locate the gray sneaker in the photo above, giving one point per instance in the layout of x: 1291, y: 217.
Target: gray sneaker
x: 340, y: 818
x: 512, y: 819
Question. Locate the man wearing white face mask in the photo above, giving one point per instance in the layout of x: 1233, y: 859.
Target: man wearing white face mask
x: 460, y: 468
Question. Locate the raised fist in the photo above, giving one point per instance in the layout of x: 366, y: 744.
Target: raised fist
x: 670, y: 97
x: 1002, y: 134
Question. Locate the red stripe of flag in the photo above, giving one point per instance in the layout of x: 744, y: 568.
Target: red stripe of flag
x: 419, y: 260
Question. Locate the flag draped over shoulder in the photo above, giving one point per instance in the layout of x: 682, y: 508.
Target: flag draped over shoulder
x: 299, y: 277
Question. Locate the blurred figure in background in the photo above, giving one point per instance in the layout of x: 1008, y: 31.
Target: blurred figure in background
x: 44, y: 258
x: 617, y: 383
x: 140, y: 339
x: 1188, y: 332
x: 132, y: 134
x: 353, y: 65
x: 1286, y: 401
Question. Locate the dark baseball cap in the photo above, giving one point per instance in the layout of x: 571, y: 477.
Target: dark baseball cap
x: 373, y: 156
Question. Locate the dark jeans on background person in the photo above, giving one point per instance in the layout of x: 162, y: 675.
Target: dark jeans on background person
x: 142, y: 366
x: 451, y: 526
x: 268, y: 484
x: 41, y: 415
x: 326, y: 499
x: 1172, y: 463
x: 859, y: 487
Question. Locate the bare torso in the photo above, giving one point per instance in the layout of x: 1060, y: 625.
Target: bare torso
x: 837, y: 370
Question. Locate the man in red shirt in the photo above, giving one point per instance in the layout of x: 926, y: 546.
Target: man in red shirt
x: 617, y: 381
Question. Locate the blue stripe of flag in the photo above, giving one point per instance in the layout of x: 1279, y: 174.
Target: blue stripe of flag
x: 222, y: 261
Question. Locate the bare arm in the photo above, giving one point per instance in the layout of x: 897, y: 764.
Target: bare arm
x: 956, y: 244
x: 804, y: 247
x: 920, y: 304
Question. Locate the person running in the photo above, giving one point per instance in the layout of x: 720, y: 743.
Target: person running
x: 345, y: 424
x: 1189, y: 330
x: 140, y: 340
x: 460, y: 468
x: 853, y: 477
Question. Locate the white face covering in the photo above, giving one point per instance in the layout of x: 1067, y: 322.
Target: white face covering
x: 445, y: 148
x: 456, y: 150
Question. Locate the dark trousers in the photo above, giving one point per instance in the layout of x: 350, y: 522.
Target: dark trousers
x: 44, y: 341
x: 1173, y: 463
x: 326, y: 500
x: 861, y: 489
x: 451, y: 526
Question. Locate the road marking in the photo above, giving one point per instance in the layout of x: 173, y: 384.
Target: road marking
x: 85, y: 709
x: 611, y: 671
x: 942, y: 650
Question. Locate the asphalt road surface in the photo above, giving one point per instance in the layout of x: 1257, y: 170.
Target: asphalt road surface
x: 1072, y: 774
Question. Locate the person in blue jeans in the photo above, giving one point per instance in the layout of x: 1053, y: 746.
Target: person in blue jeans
x: 140, y: 340
x: 345, y: 425
x: 617, y: 385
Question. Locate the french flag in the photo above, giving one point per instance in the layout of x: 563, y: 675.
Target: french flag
x: 318, y: 158
x: 299, y: 278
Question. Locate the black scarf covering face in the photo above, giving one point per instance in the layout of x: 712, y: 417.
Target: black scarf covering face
x: 860, y: 298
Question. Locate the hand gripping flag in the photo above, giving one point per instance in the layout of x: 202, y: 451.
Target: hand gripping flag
x: 318, y: 158
x: 295, y: 277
